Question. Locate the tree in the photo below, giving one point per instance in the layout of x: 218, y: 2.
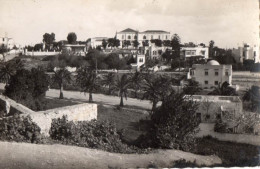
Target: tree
x: 87, y: 80
x: 8, y: 69
x: 126, y: 43
x: 253, y: 96
x: 167, y: 43
x: 122, y: 84
x: 173, y: 124
x: 176, y: 44
x: 145, y: 43
x: 48, y: 38
x: 28, y: 87
x: 167, y: 55
x: 136, y: 81
x: 72, y: 38
x: 192, y: 87
x: 136, y: 43
x: 156, y: 88
x: 211, y: 51
x: 61, y: 76
x: 111, y: 42
x: 108, y: 80
x: 104, y: 43
x: 158, y: 42
x: 224, y: 90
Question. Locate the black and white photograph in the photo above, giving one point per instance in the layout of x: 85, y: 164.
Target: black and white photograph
x: 115, y: 84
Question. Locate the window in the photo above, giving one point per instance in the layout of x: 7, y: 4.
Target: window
x: 141, y: 60
x: 159, y: 37
x: 192, y: 52
x: 206, y: 73
x: 226, y: 73
x: 216, y: 73
x: 144, y: 37
x: 151, y: 36
x: 166, y: 37
x: 187, y: 52
x: 206, y: 82
x: 203, y: 52
x: 135, y: 37
x: 129, y: 37
x: 123, y: 36
x: 216, y: 82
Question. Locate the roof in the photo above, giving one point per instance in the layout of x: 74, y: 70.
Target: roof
x: 213, y: 62
x: 155, y: 31
x: 74, y: 45
x: 215, y: 98
x: 129, y: 30
x: 99, y: 38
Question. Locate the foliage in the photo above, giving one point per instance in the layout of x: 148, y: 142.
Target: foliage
x: 93, y: 134
x: 126, y: 43
x: 108, y: 80
x: 167, y: 43
x: 145, y: 43
x: 69, y: 60
x: 61, y: 76
x: 136, y: 43
x: 8, y: 69
x: 173, y: 124
x: 72, y: 38
x: 157, y: 42
x: 88, y: 81
x: 253, y: 96
x: 113, y: 42
x: 48, y: 38
x: 19, y: 129
x: 104, y: 43
x: 211, y: 46
x: 38, y: 47
x: 224, y: 90
x: 220, y: 127
x: 122, y: 84
x: 176, y: 44
x: 167, y: 55
x: 3, y: 49
x: 28, y: 87
x: 156, y: 88
x: 136, y: 81
x: 192, y: 87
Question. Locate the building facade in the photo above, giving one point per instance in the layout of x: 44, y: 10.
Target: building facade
x: 189, y: 52
x: 212, y: 108
x: 246, y: 52
x: 211, y: 74
x: 97, y: 41
x: 7, y: 42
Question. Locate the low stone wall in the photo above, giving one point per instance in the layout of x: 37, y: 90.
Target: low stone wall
x: 80, y: 112
x: 41, y: 53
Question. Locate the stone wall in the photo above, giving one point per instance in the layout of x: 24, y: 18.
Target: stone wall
x: 80, y: 112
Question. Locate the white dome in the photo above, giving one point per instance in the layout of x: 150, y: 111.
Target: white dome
x: 213, y: 62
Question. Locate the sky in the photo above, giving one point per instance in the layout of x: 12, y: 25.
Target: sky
x: 228, y: 22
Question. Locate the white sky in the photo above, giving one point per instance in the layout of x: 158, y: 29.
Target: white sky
x: 227, y: 22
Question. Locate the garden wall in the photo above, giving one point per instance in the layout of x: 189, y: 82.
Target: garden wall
x: 41, y: 53
x: 80, y: 112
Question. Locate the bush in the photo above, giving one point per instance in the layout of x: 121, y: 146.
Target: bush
x: 220, y: 127
x: 19, y: 129
x: 93, y: 134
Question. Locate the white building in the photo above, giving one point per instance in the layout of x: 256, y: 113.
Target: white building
x: 246, y: 52
x: 189, y: 52
x: 211, y: 74
x: 211, y: 108
x: 140, y: 60
x: 97, y: 41
x: 7, y: 42
x: 76, y: 49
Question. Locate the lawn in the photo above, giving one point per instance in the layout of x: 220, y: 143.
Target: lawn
x: 126, y: 119
x: 52, y: 103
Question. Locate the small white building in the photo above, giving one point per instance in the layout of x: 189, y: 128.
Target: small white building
x: 189, y: 52
x: 76, y: 49
x: 211, y: 74
x: 140, y: 60
x: 211, y: 108
x: 97, y: 41
x: 7, y: 42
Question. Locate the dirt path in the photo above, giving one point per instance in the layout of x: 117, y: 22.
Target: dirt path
x: 208, y: 129
x: 110, y: 100
x: 24, y: 155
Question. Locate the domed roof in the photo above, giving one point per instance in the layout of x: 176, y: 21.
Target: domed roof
x: 213, y: 62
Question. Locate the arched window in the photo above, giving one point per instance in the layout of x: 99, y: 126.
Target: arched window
x: 135, y: 37
x: 129, y: 37
x: 144, y: 37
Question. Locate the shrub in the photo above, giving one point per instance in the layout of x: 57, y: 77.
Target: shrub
x: 220, y: 127
x: 20, y: 129
x: 93, y: 134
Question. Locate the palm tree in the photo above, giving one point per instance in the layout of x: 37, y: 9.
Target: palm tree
x: 156, y: 88
x: 136, y: 81
x: 224, y: 90
x: 61, y: 76
x: 122, y: 84
x: 192, y: 87
x: 8, y: 69
x: 108, y: 80
x: 88, y: 81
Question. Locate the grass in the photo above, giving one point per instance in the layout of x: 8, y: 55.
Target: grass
x: 124, y: 119
x: 56, y: 103
x: 231, y: 153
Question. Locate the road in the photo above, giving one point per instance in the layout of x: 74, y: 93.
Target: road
x: 29, y: 156
x: 101, y: 98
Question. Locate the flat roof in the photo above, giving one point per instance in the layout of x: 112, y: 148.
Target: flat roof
x: 213, y: 98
